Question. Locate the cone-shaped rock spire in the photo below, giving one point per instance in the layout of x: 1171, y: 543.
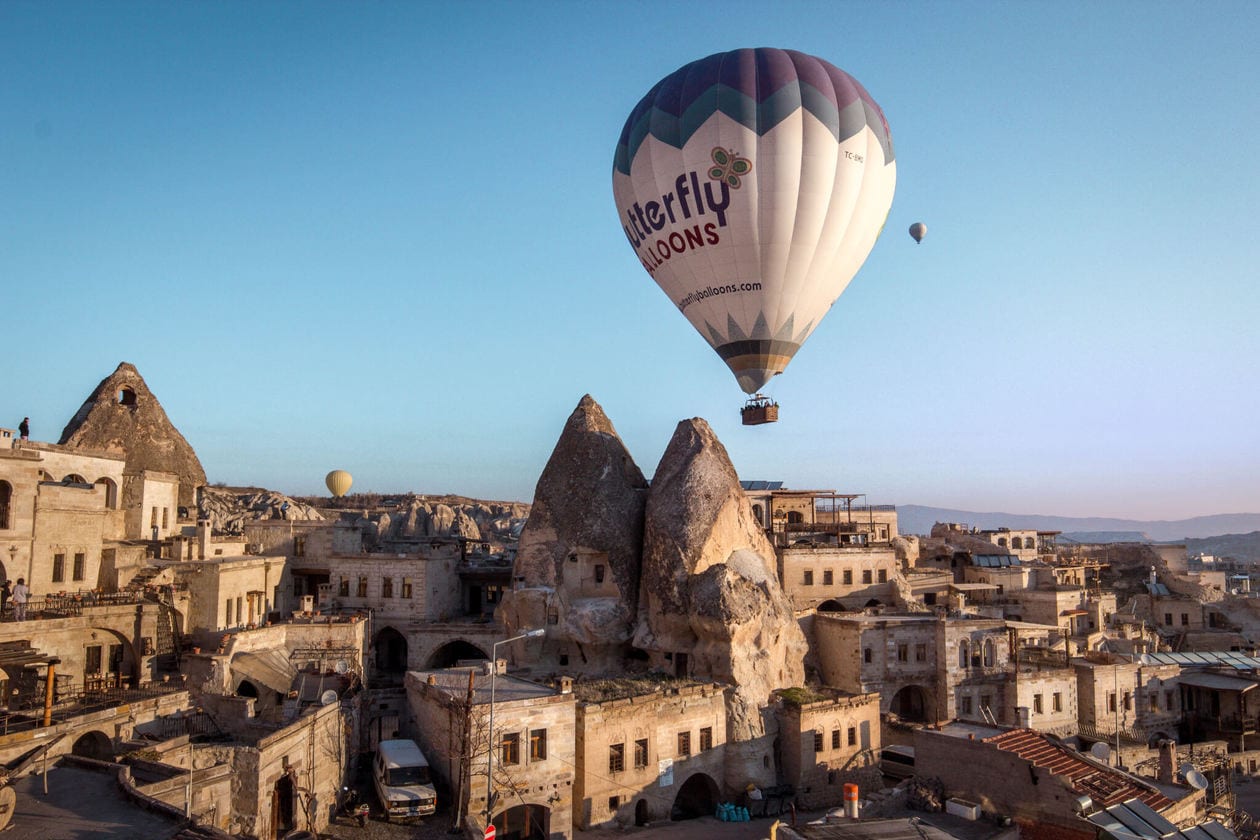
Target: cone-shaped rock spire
x: 123, y: 417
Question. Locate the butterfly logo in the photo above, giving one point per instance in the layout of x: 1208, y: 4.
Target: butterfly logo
x: 729, y: 167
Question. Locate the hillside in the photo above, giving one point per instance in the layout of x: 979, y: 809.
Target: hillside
x: 918, y: 519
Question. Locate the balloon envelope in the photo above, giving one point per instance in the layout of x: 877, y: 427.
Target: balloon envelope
x: 338, y: 482
x: 918, y: 230
x: 752, y: 185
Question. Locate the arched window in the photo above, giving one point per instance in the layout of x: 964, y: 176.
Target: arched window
x: 795, y: 517
x: 1002, y: 542
x: 758, y: 513
x: 111, y: 492
x: 990, y: 653
x: 6, y: 500
x: 964, y: 654
x: 1016, y: 542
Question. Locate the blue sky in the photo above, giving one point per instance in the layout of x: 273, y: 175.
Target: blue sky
x: 381, y: 237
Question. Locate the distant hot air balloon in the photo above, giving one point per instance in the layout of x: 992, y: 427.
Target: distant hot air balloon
x: 752, y: 185
x: 338, y: 482
x: 918, y: 230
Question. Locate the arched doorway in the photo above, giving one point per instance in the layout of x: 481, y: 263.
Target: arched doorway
x: 831, y: 605
x: 391, y: 654
x: 111, y: 492
x: 450, y: 654
x: 698, y: 797
x: 284, y: 804
x: 641, y: 815
x: 910, y: 703
x: 246, y: 689
x: 94, y: 744
x: 523, y: 822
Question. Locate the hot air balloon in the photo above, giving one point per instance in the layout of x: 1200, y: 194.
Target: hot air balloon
x: 752, y: 185
x: 918, y: 230
x: 338, y: 482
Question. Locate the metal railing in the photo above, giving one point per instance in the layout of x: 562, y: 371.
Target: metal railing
x: 68, y: 605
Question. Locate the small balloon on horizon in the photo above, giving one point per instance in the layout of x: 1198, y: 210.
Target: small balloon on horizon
x: 918, y: 230
x: 338, y: 482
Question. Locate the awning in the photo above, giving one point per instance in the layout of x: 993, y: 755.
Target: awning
x: 1074, y: 612
x: 270, y: 668
x: 1219, y: 682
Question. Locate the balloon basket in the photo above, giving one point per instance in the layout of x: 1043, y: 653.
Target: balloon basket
x: 759, y: 410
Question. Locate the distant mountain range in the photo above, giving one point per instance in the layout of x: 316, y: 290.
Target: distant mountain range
x: 917, y: 519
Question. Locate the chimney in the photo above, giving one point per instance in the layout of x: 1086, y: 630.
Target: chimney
x: 1167, y: 761
x: 566, y: 685
x: 1023, y: 718
x: 203, y: 538
x: 432, y: 680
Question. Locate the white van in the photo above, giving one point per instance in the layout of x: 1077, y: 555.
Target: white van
x: 403, y: 784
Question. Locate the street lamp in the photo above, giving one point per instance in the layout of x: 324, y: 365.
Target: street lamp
x: 494, y: 670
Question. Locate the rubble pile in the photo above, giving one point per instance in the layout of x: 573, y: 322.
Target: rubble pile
x: 926, y: 795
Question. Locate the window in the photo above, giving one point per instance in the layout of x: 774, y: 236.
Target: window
x: 866, y: 576
x: 920, y: 652
x: 1154, y: 701
x: 343, y: 588
x: 78, y: 565
x: 59, y: 568
x: 706, y: 738
x: 1168, y: 700
x: 852, y: 736
x: 1058, y: 701
x: 1128, y: 701
x: 406, y: 588
x: 866, y: 654
x: 986, y: 701
x: 1111, y: 701
x: 510, y: 748
x: 153, y: 517
x: 1168, y: 619
x: 553, y: 616
x: 616, y: 758
x: 903, y: 652
x: 1185, y: 619
x: 990, y: 653
x: 92, y: 663
x: 848, y: 577
x: 6, y: 499
x: 614, y: 802
x: 362, y: 590
x: 387, y: 587
x: 835, y: 739
x: 641, y: 753
x: 965, y: 703
x: 299, y: 546
x: 964, y: 654
x: 809, y: 577
x: 684, y: 744
x: 239, y: 611
x: 883, y: 576
x: 166, y: 518
x: 227, y: 613
x: 599, y: 574
x: 537, y: 744
x: 828, y: 577
x: 818, y: 742
x: 1037, y: 706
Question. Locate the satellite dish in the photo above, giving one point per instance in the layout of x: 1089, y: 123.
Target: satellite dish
x: 328, y: 698
x: 1196, y: 780
x: 1186, y: 769
x: 1100, y: 751
x: 342, y: 666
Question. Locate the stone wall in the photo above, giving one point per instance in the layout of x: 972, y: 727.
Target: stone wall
x: 854, y: 576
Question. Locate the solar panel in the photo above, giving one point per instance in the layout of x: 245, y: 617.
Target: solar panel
x: 1217, y: 831
x: 1161, y: 825
x: 1132, y: 821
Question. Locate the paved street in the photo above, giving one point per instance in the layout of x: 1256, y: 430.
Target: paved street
x: 80, y: 805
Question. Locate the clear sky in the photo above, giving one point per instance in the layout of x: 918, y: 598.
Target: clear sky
x: 381, y: 237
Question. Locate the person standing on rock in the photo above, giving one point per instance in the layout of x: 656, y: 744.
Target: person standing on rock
x: 24, y: 429
x: 21, y: 594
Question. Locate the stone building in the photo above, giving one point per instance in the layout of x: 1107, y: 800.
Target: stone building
x: 1141, y: 701
x: 534, y: 737
x: 828, y: 739
x: 647, y: 753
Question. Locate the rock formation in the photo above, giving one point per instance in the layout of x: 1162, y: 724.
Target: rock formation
x: 577, y: 565
x: 709, y: 589
x: 228, y: 509
x: 123, y: 417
